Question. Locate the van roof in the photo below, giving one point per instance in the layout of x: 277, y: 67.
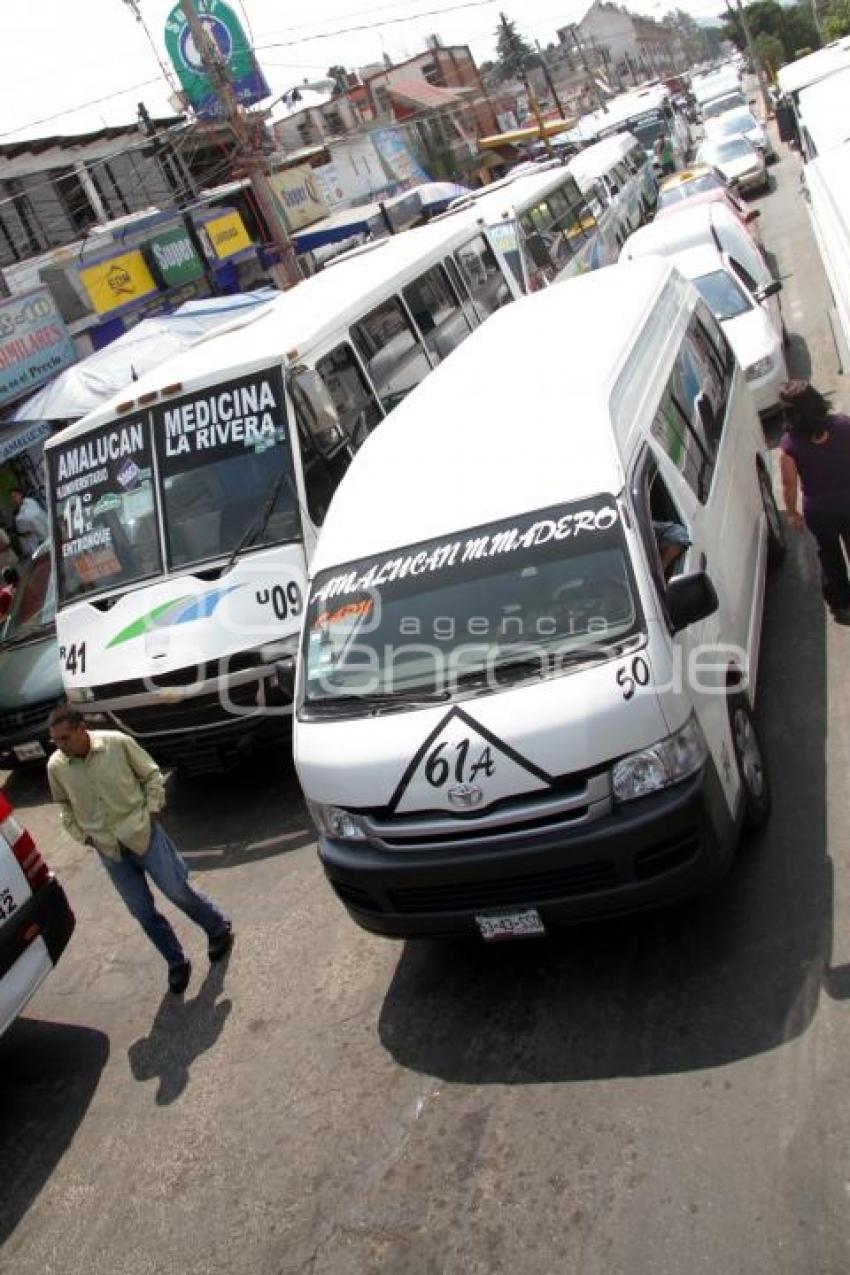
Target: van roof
x: 517, y: 419
x: 296, y: 319
x: 689, y: 228
x: 594, y: 160
x: 796, y: 75
x: 824, y: 108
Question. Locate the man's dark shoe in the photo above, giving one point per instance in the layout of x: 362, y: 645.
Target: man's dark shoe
x: 178, y: 977
x: 221, y: 944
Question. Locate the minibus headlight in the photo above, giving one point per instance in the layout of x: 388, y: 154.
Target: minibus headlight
x: 336, y: 823
x: 761, y: 367
x: 667, y: 762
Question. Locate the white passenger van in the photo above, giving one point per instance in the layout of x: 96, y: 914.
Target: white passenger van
x: 620, y: 166
x: 545, y: 228
x: 185, y: 510
x: 827, y: 185
x: 508, y: 717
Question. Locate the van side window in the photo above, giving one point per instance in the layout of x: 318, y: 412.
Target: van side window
x: 662, y: 526
x: 321, y: 473
x: 357, y: 408
x: 395, y: 359
x: 672, y: 429
x: 485, y: 280
x: 436, y: 312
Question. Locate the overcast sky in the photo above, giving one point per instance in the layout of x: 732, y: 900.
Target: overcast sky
x: 56, y: 55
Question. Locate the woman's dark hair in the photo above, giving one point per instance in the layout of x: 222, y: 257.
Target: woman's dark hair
x: 806, y: 409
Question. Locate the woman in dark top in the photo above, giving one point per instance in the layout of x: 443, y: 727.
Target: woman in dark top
x: 816, y: 457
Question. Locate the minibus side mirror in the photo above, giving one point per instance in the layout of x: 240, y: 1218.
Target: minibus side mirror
x: 769, y: 290
x: 690, y: 598
x: 538, y: 252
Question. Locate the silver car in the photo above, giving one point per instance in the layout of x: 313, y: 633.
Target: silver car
x: 738, y: 162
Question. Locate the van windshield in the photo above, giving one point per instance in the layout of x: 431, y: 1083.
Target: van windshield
x: 525, y: 597
x: 211, y: 470
x: 723, y: 295
x: 34, y: 605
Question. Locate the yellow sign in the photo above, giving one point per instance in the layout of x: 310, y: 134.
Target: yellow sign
x: 118, y: 281
x: 227, y: 234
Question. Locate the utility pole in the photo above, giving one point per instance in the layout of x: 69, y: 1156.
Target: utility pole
x: 530, y: 94
x: 244, y: 129
x: 550, y: 82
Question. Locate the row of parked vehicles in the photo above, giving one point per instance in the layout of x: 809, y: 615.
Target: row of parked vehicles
x: 188, y: 514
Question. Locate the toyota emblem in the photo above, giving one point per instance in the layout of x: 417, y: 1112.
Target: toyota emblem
x: 465, y: 795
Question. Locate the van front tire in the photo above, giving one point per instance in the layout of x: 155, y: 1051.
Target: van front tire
x: 752, y: 767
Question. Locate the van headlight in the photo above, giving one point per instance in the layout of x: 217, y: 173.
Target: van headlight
x: 336, y: 823
x: 668, y: 762
x: 761, y: 367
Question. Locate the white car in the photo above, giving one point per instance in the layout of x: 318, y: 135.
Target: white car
x: 740, y: 122
x: 710, y: 247
x: 36, y: 920
x: 740, y: 164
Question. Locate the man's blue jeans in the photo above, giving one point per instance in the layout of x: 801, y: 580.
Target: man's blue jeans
x: 164, y: 866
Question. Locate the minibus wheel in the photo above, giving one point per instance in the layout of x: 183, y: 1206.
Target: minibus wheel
x: 775, y: 528
x: 752, y: 768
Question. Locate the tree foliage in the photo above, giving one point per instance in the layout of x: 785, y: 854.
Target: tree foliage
x: 836, y: 19
x: 688, y: 31
x: 512, y: 51
x: 770, y: 52
x: 792, y: 25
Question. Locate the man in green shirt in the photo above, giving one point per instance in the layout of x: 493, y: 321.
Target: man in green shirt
x: 111, y: 795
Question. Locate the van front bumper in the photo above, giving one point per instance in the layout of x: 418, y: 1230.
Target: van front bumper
x: 655, y: 851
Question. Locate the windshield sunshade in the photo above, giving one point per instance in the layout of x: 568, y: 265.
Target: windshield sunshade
x: 519, y: 598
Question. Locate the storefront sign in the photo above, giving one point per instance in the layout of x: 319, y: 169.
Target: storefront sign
x: 355, y: 174
x: 34, y: 343
x: 299, y: 196
x: 227, y: 235
x: 174, y: 258
x: 224, y: 29
x: 13, y: 440
x: 117, y: 282
x: 396, y: 156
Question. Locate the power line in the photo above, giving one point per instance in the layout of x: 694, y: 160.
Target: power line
x: 372, y: 26
x: 72, y: 110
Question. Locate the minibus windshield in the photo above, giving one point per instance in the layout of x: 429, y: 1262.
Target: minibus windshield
x: 188, y: 482
x: 525, y: 597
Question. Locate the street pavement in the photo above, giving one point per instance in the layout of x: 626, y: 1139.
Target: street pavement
x: 663, y: 1094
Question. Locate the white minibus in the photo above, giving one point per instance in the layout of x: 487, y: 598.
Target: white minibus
x: 827, y: 186
x: 183, y: 515
x: 524, y: 693
x: 620, y: 166
x: 545, y: 228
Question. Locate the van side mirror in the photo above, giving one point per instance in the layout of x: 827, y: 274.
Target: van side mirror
x: 769, y: 290
x: 318, y: 412
x: 690, y: 598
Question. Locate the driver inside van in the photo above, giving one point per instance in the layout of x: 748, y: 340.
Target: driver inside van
x: 673, y: 542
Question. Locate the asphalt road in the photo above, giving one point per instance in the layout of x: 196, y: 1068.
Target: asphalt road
x: 663, y: 1095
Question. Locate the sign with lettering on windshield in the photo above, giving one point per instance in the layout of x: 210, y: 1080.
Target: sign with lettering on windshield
x: 225, y: 420
x: 102, y: 489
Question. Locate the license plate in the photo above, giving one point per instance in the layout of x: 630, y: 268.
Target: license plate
x: 28, y: 752
x: 493, y: 926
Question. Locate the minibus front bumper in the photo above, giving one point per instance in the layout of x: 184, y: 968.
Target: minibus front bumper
x: 655, y: 851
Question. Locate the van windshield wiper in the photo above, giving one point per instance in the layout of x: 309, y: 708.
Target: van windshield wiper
x: 507, y: 672
x: 378, y: 701
x: 256, y: 528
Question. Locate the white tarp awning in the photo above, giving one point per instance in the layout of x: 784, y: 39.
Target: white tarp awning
x: 82, y: 387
